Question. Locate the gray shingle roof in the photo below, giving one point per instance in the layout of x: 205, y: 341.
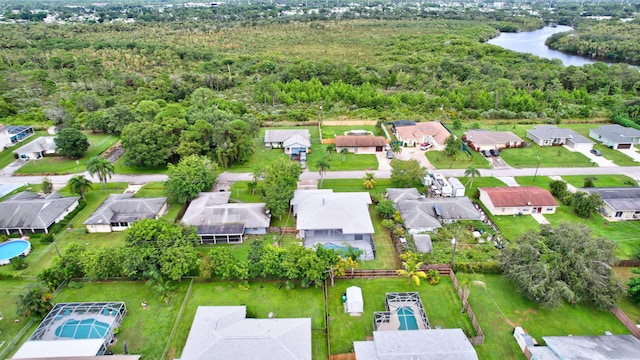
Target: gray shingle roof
x: 27, y: 210
x: 423, y: 243
x: 297, y: 139
x: 276, y: 136
x: 319, y: 210
x: 208, y: 209
x: 126, y: 208
x: 396, y: 195
x: 440, y: 344
x: 616, y: 133
x: 421, y: 213
x: 44, y: 143
x: 551, y: 132
x: 479, y: 137
x: 223, y: 332
x: 620, y: 199
x: 605, y: 347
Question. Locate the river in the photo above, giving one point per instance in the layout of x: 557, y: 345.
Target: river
x: 532, y: 42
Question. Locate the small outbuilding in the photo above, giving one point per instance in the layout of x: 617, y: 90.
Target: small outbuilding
x: 355, y: 304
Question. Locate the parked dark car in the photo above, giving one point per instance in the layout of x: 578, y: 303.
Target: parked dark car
x: 596, y: 152
x: 486, y: 153
x: 494, y: 152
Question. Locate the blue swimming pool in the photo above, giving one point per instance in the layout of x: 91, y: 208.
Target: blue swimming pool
x: 13, y: 248
x: 337, y: 248
x: 83, y: 329
x: 407, y: 319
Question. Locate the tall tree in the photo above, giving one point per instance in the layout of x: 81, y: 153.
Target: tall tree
x: 47, y: 186
x: 323, y: 165
x: 561, y: 264
x: 406, y: 173
x: 585, y: 204
x: 452, y: 146
x: 102, y: 167
x: 36, y: 300
x: 280, y: 180
x: 471, y: 172
x: 71, y: 143
x: 330, y: 149
x: 79, y: 185
x: 190, y: 176
x: 344, y: 152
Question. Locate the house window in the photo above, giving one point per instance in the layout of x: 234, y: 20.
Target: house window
x: 618, y: 214
x: 358, y: 237
x: 549, y: 209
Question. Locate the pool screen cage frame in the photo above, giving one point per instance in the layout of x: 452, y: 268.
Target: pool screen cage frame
x: 62, y: 311
x: 397, y: 300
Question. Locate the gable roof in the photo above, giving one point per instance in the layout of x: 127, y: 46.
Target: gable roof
x: 359, y: 140
x: 44, y: 143
x: 208, y: 209
x: 276, y: 136
x: 126, y: 208
x: 224, y: 332
x: 422, y: 213
x: 616, y: 133
x: 399, y: 194
x: 431, y: 128
x: 297, y: 139
x: 348, y: 211
x: 619, y: 198
x: 491, y: 137
x: 519, y: 196
x: 27, y: 210
x: 440, y: 344
x: 551, y: 132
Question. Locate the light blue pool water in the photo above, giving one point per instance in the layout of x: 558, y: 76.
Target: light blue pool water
x: 337, y: 248
x: 83, y: 329
x: 407, y: 319
x: 11, y: 249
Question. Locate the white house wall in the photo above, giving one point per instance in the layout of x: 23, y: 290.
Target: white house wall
x: 358, y: 149
x: 102, y: 228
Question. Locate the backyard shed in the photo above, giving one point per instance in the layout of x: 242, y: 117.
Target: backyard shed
x: 355, y: 304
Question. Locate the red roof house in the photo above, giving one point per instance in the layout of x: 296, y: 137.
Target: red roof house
x: 518, y: 200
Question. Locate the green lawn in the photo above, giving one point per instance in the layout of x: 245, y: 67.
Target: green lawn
x: 329, y: 132
x: 500, y: 308
x: 341, y: 162
x: 61, y: 165
x: 440, y: 302
x: 94, y: 199
x: 355, y: 185
x: 8, y: 327
x: 471, y: 188
x: 121, y: 167
x: 146, y: 331
x: 550, y: 156
x: 601, y: 180
x: 440, y: 160
x: 260, y: 299
x: 385, y: 253
x: 240, y: 193
x: 631, y: 308
x: 7, y: 156
x: 540, y: 181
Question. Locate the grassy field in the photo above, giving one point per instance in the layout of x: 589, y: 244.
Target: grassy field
x: 355, y: 185
x: 385, y: 253
x: 441, y: 304
x: 260, y: 299
x: 601, y: 180
x: 7, y: 156
x: 329, y: 132
x: 500, y: 308
x: 556, y: 157
x: 61, y: 165
x: 627, y: 305
x: 440, y: 160
x: 8, y: 327
x: 240, y: 192
x: 340, y: 162
x: 121, y: 167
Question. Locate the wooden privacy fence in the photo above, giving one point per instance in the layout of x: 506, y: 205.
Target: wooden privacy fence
x: 479, y: 338
x: 624, y: 319
x: 347, y: 356
x: 627, y: 263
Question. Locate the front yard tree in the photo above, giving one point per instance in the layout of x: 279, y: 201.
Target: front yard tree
x: 330, y: 149
x: 280, y: 180
x: 452, y: 146
x: 102, y: 167
x: 71, y: 143
x: 471, y: 172
x: 146, y: 145
x: 558, y: 188
x: 369, y: 180
x: 406, y: 174
x: 79, y: 185
x: 585, y: 204
x: 386, y: 209
x: 47, y: 186
x: 190, y: 176
x: 323, y: 165
x: 563, y: 264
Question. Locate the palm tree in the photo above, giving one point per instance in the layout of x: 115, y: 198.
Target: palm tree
x: 323, y: 166
x: 330, y: 149
x: 369, y: 180
x: 412, y: 271
x: 344, y: 153
x: 471, y: 172
x: 102, y: 167
x: 466, y: 289
x: 79, y: 185
x: 396, y: 148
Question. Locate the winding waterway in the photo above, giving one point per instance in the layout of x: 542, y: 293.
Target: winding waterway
x: 532, y: 42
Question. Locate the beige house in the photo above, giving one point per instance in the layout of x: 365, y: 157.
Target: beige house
x: 360, y: 144
x: 432, y: 132
x: 486, y: 140
x: 119, y: 211
x: 518, y: 200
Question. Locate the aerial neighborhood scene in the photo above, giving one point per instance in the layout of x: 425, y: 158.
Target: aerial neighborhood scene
x: 320, y: 180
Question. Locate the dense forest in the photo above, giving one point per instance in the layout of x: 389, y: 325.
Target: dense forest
x: 176, y: 75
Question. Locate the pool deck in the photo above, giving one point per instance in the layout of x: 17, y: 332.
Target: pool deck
x: 50, y: 333
x: 394, y: 320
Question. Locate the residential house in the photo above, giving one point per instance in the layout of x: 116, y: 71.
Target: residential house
x: 119, y: 211
x: 11, y: 135
x: 428, y: 214
x: 399, y: 123
x: 432, y: 132
x: 292, y: 141
x: 487, y: 140
x: 550, y: 135
x: 36, y: 149
x: 620, y: 203
x: 221, y: 222
x: 572, y: 347
x: 333, y: 219
x: 28, y: 212
x: 360, y: 144
x: 224, y: 332
x: 616, y: 136
x: 518, y: 200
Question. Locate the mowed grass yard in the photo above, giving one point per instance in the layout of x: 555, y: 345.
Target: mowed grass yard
x: 329, y: 132
x: 500, y: 308
x: 61, y: 165
x: 440, y: 302
x: 8, y: 327
x: 462, y: 160
x: 260, y: 299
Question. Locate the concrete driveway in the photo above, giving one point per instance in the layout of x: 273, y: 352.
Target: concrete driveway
x: 12, y: 168
x: 600, y: 160
x: 383, y: 162
x: 414, y: 153
x: 631, y: 153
